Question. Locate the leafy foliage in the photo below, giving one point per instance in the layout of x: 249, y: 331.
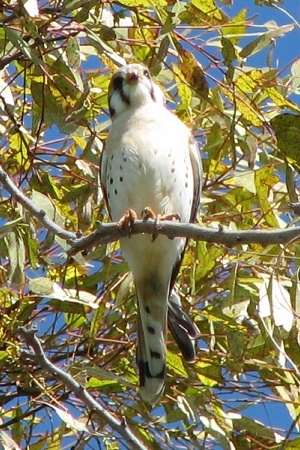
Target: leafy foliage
x: 56, y: 63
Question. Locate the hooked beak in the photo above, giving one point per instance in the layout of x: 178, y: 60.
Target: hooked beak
x: 132, y: 77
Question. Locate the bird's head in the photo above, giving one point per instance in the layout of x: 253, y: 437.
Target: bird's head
x: 132, y: 86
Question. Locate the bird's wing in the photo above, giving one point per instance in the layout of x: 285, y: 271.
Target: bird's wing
x: 103, y: 180
x: 181, y: 326
x: 195, y: 156
x: 197, y: 175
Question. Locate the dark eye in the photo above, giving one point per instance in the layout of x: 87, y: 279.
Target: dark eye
x: 146, y: 73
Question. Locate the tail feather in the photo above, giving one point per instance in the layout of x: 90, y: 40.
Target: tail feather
x: 151, y: 387
x: 154, y: 311
x: 183, y: 329
x: 151, y: 349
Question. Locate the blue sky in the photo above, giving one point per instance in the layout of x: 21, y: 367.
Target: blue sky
x: 286, y: 48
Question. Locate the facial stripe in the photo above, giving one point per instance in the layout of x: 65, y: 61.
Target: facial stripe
x: 118, y: 86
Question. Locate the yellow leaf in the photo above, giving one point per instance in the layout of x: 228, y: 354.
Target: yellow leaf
x: 18, y: 144
x: 174, y: 362
x: 208, y: 7
x: 202, y: 12
x: 245, y: 108
x: 208, y: 373
x: 250, y: 81
x: 280, y: 100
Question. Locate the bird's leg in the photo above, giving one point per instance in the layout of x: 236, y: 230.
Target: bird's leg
x: 127, y: 220
x: 147, y: 213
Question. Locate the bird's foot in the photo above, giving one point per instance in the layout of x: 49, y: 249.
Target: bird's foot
x: 147, y: 213
x: 127, y: 220
x: 175, y: 216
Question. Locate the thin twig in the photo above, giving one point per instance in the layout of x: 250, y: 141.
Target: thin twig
x: 28, y: 204
x: 120, y: 426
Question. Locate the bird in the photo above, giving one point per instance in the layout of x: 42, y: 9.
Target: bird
x: 151, y: 162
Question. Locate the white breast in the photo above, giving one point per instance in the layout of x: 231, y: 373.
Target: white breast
x: 148, y: 163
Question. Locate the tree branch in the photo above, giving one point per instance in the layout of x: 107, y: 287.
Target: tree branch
x: 109, y: 232
x: 39, y: 214
x: 120, y: 426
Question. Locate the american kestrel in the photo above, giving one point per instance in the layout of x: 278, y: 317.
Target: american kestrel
x: 151, y: 160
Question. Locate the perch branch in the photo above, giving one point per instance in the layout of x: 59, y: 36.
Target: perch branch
x: 109, y: 232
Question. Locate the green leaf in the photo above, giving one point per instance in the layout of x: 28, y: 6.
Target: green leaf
x: 73, y: 52
x: 16, y: 254
x: 193, y: 73
x: 295, y: 72
x: 17, y: 427
x: 3, y: 355
x: 16, y: 38
x: 228, y: 51
x: 47, y: 288
x: 250, y: 81
x: 74, y: 320
x: 235, y: 28
x: 103, y: 386
x: 96, y: 376
x: 287, y: 131
x: 258, y: 431
x: 136, y: 3
x: 103, y: 48
x: 264, y: 41
x: 9, y: 226
x: 293, y: 444
x: 41, y: 285
x: 33, y: 249
x: 46, y: 205
x: 265, y: 179
x: 207, y: 263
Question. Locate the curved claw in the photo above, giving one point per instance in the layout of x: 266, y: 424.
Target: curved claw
x: 127, y: 220
x: 147, y: 213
